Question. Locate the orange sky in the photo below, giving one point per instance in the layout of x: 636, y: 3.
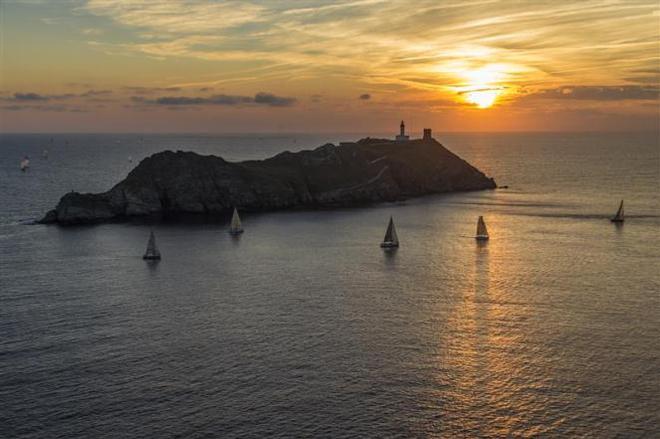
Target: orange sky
x: 319, y: 66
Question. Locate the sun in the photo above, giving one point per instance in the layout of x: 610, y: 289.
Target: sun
x: 482, y: 98
x: 481, y: 86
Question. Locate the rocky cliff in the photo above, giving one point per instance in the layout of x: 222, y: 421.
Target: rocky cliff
x: 370, y: 170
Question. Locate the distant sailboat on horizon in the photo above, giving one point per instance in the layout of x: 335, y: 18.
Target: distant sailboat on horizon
x: 618, y: 218
x: 152, y: 253
x: 236, y: 228
x: 482, y: 231
x: 391, y: 240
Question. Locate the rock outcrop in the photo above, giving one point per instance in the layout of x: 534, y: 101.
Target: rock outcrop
x: 370, y: 170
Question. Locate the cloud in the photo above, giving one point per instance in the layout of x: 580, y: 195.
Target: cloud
x: 179, y: 16
x: 59, y: 108
x: 91, y: 93
x: 149, y: 90
x: 91, y: 31
x: 365, y: 96
x: 261, y: 98
x: 36, y: 97
x: 558, y: 42
x: 272, y: 100
x: 598, y: 93
x: 29, y: 97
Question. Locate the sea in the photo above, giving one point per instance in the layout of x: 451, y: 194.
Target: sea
x: 304, y: 327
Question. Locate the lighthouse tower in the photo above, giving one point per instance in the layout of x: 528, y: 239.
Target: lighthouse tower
x: 402, y: 133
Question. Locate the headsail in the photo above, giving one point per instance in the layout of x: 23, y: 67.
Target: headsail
x: 152, y: 250
x: 25, y: 163
x: 482, y: 231
x: 236, y: 227
x: 391, y: 239
x: 618, y: 218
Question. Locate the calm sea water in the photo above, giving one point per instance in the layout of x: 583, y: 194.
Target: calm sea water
x: 303, y: 327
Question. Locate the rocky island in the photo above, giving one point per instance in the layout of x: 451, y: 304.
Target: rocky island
x: 169, y: 183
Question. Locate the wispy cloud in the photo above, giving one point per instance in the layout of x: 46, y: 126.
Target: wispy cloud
x: 561, y: 42
x: 92, y: 31
x: 599, y: 93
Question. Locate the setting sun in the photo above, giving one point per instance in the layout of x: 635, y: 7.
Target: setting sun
x: 482, y: 98
x: 482, y: 86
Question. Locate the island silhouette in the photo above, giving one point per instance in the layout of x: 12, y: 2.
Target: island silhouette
x: 168, y: 184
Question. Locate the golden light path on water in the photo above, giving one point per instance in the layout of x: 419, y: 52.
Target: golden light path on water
x: 484, y: 350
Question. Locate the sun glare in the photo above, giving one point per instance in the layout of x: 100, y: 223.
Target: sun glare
x: 482, y: 98
x: 482, y: 86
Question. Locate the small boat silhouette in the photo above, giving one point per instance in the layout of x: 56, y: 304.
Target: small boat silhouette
x: 482, y: 231
x: 618, y: 218
x: 236, y: 228
x: 152, y: 253
x: 390, y: 240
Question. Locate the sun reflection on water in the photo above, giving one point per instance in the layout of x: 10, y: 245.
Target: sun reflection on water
x: 483, y: 351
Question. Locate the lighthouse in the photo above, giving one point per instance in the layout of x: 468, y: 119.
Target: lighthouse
x: 402, y: 133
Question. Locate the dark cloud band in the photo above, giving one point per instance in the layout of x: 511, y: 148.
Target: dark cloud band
x: 261, y: 98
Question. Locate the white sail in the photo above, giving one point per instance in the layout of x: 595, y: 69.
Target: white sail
x: 152, y: 250
x: 236, y: 226
x: 391, y: 239
x: 482, y: 231
x: 25, y: 163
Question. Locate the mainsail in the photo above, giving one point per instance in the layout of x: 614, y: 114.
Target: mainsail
x: 482, y: 231
x: 619, y: 214
x: 25, y: 163
x: 390, y: 240
x: 236, y: 226
x: 152, y: 251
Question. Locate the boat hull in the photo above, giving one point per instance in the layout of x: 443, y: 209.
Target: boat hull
x: 236, y: 232
x: 151, y: 258
x: 481, y: 238
x: 389, y: 245
x: 616, y: 220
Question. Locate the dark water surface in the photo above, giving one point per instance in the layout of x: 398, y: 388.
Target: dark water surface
x: 303, y: 327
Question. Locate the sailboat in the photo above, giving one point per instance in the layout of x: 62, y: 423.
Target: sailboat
x: 618, y: 218
x: 236, y: 227
x: 390, y: 240
x: 152, y: 253
x: 25, y: 164
x: 482, y: 231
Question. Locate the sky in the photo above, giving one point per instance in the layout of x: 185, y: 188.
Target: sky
x: 329, y: 66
